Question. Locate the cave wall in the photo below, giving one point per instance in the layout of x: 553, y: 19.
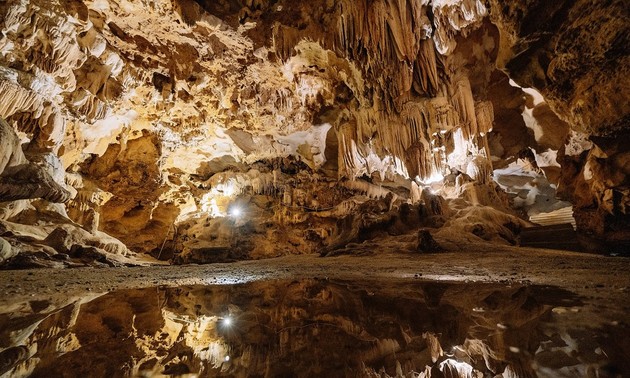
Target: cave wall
x: 155, y: 110
x: 575, y: 54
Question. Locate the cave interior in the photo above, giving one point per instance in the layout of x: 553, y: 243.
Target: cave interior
x: 404, y: 188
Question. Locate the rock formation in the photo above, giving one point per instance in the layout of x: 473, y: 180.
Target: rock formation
x: 203, y: 131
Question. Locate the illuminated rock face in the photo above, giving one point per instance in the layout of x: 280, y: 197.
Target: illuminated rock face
x: 165, y: 115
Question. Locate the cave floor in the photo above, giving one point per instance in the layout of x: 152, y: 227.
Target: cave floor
x: 603, y: 281
x: 591, y: 291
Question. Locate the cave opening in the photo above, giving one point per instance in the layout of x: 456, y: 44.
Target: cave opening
x: 324, y: 188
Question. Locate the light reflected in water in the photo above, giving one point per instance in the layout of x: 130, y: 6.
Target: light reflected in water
x: 312, y: 328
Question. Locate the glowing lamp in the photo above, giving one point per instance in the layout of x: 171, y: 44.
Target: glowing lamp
x: 227, y: 322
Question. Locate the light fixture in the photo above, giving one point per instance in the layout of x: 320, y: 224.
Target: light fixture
x: 235, y: 212
x: 227, y: 322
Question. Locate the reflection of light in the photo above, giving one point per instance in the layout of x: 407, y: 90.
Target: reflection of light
x: 227, y: 358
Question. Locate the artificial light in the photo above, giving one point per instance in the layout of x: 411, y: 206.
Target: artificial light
x: 227, y: 322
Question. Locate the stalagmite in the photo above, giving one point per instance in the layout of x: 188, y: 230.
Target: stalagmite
x: 480, y: 169
x: 416, y: 193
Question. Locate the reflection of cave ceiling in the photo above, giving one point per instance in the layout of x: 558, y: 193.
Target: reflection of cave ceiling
x: 146, y: 112
x: 310, y: 328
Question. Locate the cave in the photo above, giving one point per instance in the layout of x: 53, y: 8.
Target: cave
x: 331, y: 188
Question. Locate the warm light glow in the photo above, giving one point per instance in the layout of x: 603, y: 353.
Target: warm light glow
x: 228, y: 189
x: 209, y: 205
x: 213, y: 202
x: 434, y: 178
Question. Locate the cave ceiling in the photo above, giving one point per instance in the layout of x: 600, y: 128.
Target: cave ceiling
x: 147, y: 110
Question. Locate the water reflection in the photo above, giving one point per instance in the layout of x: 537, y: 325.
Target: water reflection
x: 311, y: 328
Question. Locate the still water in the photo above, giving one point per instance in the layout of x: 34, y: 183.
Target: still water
x: 313, y: 328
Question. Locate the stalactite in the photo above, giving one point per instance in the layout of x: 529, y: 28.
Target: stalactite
x: 84, y: 200
x: 443, y: 115
x: 419, y: 160
x: 16, y: 99
x: 393, y: 31
x: 285, y: 38
x: 392, y: 39
x: 485, y: 119
x: 463, y: 101
x: 454, y: 16
x: 348, y: 154
x: 382, y: 348
x: 370, y: 190
x: 485, y: 116
x: 52, y: 42
x: 48, y: 130
x: 426, y: 79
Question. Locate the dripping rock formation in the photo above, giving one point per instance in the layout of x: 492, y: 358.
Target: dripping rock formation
x: 324, y: 124
x: 177, y: 132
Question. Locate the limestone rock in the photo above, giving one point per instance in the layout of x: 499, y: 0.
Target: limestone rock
x: 62, y: 239
x: 581, y: 71
x: 152, y: 127
x: 426, y: 243
x: 6, y: 251
x: 21, y: 179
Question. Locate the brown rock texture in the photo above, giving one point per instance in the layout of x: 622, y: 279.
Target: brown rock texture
x: 575, y: 53
x: 321, y: 123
